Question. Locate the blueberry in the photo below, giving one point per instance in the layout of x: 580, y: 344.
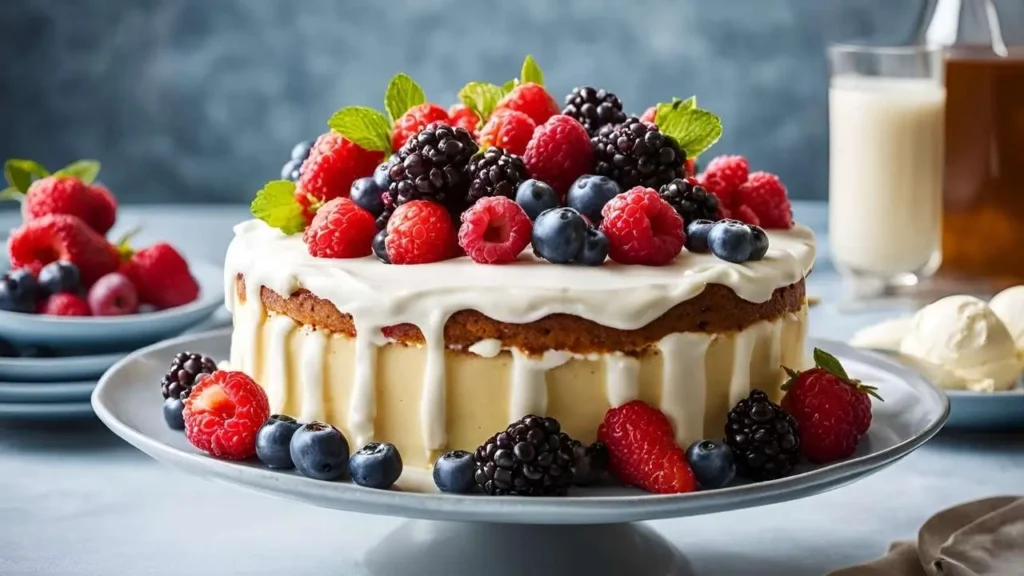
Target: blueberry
x: 274, y: 439
x: 534, y: 197
x: 319, y: 451
x: 380, y: 249
x: 590, y: 193
x: 174, y: 413
x: 301, y: 151
x: 366, y: 194
x: 595, y: 248
x: 376, y: 465
x: 559, y: 234
x: 712, y: 462
x: 7, y: 349
x: 18, y: 291
x: 290, y: 171
x: 382, y: 175
x: 760, y: 244
x: 58, y: 277
x: 697, y: 236
x: 731, y: 241
x: 453, y: 472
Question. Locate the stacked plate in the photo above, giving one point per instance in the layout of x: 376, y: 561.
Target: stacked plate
x: 59, y: 359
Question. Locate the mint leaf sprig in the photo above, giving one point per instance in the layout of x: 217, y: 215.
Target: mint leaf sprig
x: 482, y: 97
x: 371, y: 129
x: 694, y: 129
x: 276, y: 205
x: 20, y: 173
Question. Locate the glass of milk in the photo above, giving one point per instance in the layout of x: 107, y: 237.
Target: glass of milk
x: 886, y: 129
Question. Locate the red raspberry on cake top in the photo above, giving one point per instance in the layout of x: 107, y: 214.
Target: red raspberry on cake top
x: 420, y: 232
x: 509, y: 130
x: 642, y: 228
x: 62, y: 237
x: 531, y: 99
x: 723, y: 175
x: 334, y: 163
x: 495, y: 230
x: 642, y: 450
x: 223, y: 413
x: 415, y: 120
x: 559, y: 152
x: 766, y: 197
x: 461, y: 116
x: 340, y: 229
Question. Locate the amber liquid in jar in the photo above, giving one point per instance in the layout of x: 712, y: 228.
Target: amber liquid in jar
x: 983, y: 196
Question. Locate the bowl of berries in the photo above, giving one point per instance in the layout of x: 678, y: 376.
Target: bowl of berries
x: 65, y: 285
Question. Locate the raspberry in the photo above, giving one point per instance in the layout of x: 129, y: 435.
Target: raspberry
x: 223, y: 413
x: 723, y: 176
x: 494, y: 230
x: 161, y: 277
x: 333, y: 165
x: 419, y: 232
x: 463, y: 117
x: 767, y: 198
x: 559, y: 153
x: 415, y: 120
x: 690, y: 168
x: 530, y: 99
x: 64, y: 304
x: 94, y: 205
x: 642, y: 228
x: 648, y: 115
x: 642, y: 450
x: 508, y: 129
x: 744, y: 214
x: 105, y: 208
x: 340, y: 229
x: 62, y: 237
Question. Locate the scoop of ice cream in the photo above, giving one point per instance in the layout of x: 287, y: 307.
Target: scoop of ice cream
x: 886, y: 335
x: 964, y: 336
x: 1009, y: 306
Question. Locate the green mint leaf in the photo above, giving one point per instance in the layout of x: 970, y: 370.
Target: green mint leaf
x: 481, y: 98
x: 696, y: 130
x: 84, y: 170
x: 11, y: 193
x: 403, y: 93
x: 664, y: 108
x: 510, y: 85
x: 367, y: 127
x: 829, y: 363
x: 20, y: 173
x: 275, y: 204
x: 531, y: 72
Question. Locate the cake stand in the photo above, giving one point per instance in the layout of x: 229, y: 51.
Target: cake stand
x: 592, y: 531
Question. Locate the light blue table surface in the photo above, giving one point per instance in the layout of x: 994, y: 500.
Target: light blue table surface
x: 75, y: 499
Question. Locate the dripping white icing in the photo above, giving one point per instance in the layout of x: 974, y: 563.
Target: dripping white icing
x: 253, y: 319
x: 684, y: 383
x: 622, y: 378
x: 743, y: 353
x: 488, y: 348
x: 276, y: 376
x: 311, y: 375
x: 529, y: 382
x: 363, y: 402
x: 432, y: 404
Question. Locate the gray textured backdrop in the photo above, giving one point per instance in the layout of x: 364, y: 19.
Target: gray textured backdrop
x: 201, y: 100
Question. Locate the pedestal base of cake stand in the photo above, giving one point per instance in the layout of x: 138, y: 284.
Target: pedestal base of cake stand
x: 429, y: 548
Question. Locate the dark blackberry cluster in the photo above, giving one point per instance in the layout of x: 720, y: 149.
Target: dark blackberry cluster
x: 496, y: 172
x: 594, y: 108
x: 590, y: 463
x: 532, y: 457
x: 636, y: 153
x: 764, y: 439
x: 431, y: 166
x: 181, y: 377
x: 691, y: 201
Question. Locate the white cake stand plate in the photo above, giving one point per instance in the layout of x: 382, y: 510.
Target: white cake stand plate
x: 592, y: 531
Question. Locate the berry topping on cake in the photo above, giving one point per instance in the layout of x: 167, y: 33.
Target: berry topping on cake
x: 766, y: 197
x: 723, y: 176
x: 415, y: 120
x: 508, y: 129
x: 454, y: 471
x: 535, y: 197
x: 185, y: 369
x: 637, y: 153
x: 595, y: 248
x: 340, y: 229
x: 642, y: 228
x: 832, y: 409
x: 590, y: 463
x: 712, y: 462
x: 530, y: 99
x: 764, y: 439
x: 559, y: 153
x: 161, y: 276
x: 532, y: 457
x: 376, y: 465
x: 223, y: 413
x: 690, y: 200
x: 496, y: 172
x: 320, y: 451
x: 697, y: 233
x: 333, y: 165
x: 60, y: 276
x: 642, y: 450
x: 113, y: 295
x: 759, y: 246
x: 174, y: 413
x: 462, y: 116
x: 274, y: 439
x: 19, y: 292
x: 558, y: 235
x: 589, y: 193
x: 62, y: 237
x: 594, y: 108
x: 64, y: 305
x: 293, y: 168
x: 649, y: 115
x: 744, y: 214
x: 367, y: 193
x: 382, y: 173
x: 380, y: 246
x: 419, y: 232
x: 495, y: 230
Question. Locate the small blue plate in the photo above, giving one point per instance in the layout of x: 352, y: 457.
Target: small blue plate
x: 117, y: 333
x: 46, y: 392
x: 986, y: 411
x: 45, y: 411
x: 57, y: 369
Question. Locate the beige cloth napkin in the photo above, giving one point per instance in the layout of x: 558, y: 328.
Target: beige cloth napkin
x: 981, y: 538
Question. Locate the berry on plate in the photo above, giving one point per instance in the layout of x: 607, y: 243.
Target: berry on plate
x: 532, y: 457
x: 589, y: 193
x: 453, y: 472
x: 642, y: 228
x: 340, y: 229
x: 376, y: 465
x: 595, y: 248
x: 72, y: 196
x: 367, y: 194
x: 59, y: 276
x: 559, y: 153
x: 535, y: 197
x: 62, y: 237
x: 462, y: 116
x: 559, y: 234
x: 19, y: 292
x: 333, y: 165
x: 697, y: 232
x: 712, y: 463
x: 764, y: 438
x: 64, y: 305
x: 414, y: 121
x: 184, y: 373
x: 273, y: 441
x: 223, y: 413
x: 113, y: 295
x: 531, y: 99
x: 594, y: 108
x: 319, y: 451
x: 161, y: 276
x: 496, y: 172
x: 642, y: 450
x: 637, y: 154
x: 723, y: 177
x: 590, y: 463
x: 766, y: 197
x: 419, y: 232
x: 494, y: 230
x: 509, y: 130
x: 174, y: 413
x: 832, y: 409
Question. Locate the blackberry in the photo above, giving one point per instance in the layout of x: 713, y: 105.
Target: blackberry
x: 764, y: 439
x: 594, y: 108
x: 496, y: 172
x: 691, y: 201
x: 636, y: 153
x: 590, y: 463
x: 181, y: 377
x: 431, y: 166
x: 532, y: 457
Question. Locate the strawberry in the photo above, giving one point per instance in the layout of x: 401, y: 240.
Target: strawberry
x: 832, y: 410
x: 62, y: 237
x: 161, y: 276
x: 642, y: 450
